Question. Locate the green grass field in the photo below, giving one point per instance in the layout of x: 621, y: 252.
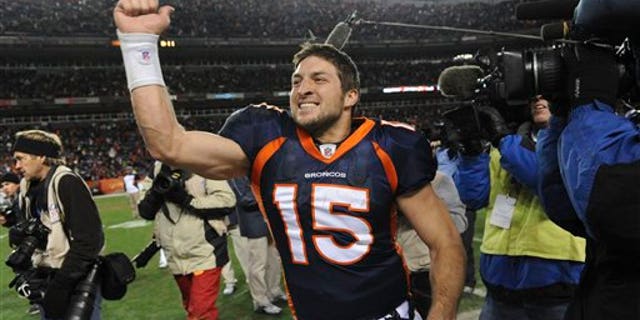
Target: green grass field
x: 154, y: 294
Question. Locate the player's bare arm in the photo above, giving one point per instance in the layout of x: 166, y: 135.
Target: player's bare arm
x: 206, y: 154
x: 431, y: 220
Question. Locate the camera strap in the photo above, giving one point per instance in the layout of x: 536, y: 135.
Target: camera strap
x: 165, y: 212
x: 54, y: 188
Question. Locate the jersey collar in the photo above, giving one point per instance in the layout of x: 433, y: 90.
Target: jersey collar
x: 354, y: 138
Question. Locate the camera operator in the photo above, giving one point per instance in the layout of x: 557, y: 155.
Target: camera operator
x: 62, y: 234
x: 9, y: 185
x: 190, y: 224
x: 590, y: 167
x: 529, y: 265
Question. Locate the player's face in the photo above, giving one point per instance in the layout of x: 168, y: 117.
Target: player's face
x: 30, y: 166
x: 316, y: 100
x: 540, y: 112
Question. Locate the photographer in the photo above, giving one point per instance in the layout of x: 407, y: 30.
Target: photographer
x: 529, y: 265
x: 9, y: 211
x: 590, y: 167
x: 61, y: 232
x: 189, y: 213
x: 9, y: 185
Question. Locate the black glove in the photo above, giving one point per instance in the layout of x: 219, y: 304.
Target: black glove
x: 474, y: 147
x: 592, y: 74
x: 16, y: 237
x: 493, y: 125
x: 56, y: 299
x: 179, y: 196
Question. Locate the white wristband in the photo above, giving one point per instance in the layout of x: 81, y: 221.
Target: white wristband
x: 141, y: 61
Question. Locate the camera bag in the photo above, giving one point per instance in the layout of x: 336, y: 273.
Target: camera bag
x: 117, y: 272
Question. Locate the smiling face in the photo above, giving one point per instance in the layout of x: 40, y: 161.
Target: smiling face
x: 540, y: 113
x: 318, y: 103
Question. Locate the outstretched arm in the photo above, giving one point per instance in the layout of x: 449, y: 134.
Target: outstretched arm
x: 437, y: 230
x: 139, y: 24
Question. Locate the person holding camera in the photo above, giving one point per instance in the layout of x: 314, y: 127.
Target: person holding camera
x: 190, y: 224
x: 530, y: 266
x: 59, y: 231
x: 9, y: 185
x: 590, y: 168
x: 9, y: 210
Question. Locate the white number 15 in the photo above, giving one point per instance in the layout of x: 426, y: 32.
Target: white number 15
x: 324, y: 197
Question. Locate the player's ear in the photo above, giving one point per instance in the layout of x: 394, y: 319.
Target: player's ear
x: 351, y: 98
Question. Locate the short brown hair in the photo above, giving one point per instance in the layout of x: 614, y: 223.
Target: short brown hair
x: 347, y: 69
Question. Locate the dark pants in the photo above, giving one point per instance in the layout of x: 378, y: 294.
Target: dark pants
x: 494, y: 309
x: 95, y: 315
x: 467, y: 241
x: 609, y: 287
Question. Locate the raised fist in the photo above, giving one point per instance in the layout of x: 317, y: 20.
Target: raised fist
x: 141, y: 16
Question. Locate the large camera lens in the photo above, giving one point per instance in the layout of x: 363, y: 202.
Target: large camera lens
x: 35, y: 236
x: 546, y: 71
x: 20, y: 259
x: 530, y: 73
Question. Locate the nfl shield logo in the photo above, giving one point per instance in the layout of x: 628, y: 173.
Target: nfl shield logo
x: 144, y: 56
x: 327, y: 150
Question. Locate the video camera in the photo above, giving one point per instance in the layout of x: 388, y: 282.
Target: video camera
x: 515, y: 76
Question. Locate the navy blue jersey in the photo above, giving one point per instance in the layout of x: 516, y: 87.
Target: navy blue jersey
x: 333, y: 219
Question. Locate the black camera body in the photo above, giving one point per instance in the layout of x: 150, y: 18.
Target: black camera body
x: 523, y: 74
x: 32, y: 283
x: 33, y: 235
x: 603, y: 24
x: 168, y: 179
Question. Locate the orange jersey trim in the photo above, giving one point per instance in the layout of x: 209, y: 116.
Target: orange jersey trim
x: 256, y: 173
x: 307, y: 142
x: 387, y: 164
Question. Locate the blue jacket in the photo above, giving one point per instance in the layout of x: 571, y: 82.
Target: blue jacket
x: 594, y: 137
x: 520, y: 267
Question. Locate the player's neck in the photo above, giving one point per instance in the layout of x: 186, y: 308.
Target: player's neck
x: 337, y: 133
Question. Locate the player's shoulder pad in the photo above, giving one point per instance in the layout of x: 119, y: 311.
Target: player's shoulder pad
x: 256, y: 115
x: 402, y: 135
x: 256, y: 112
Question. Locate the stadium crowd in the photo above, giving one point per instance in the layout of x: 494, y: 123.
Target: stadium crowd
x: 42, y: 82
x: 260, y: 19
x: 101, y: 150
